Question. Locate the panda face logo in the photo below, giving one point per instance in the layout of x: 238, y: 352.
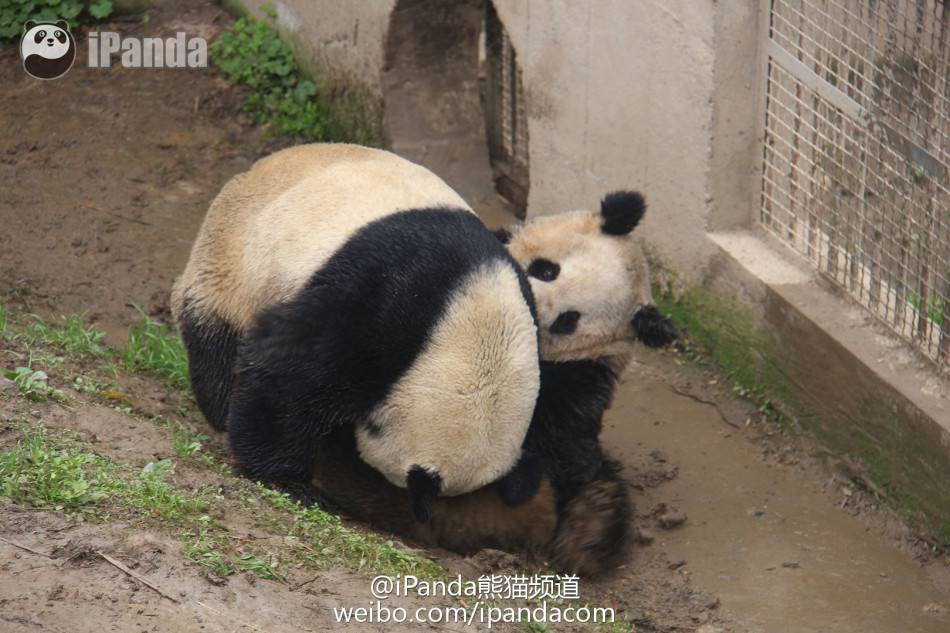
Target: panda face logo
x: 48, y: 49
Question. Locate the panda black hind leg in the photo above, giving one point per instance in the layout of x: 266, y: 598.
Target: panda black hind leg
x: 211, y: 343
x: 289, y: 392
x: 593, y: 528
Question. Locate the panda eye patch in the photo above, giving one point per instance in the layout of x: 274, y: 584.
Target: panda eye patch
x: 565, y: 323
x: 39, y: 37
x: 544, y: 269
x: 61, y: 36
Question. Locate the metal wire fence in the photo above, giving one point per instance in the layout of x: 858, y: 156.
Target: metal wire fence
x: 857, y: 150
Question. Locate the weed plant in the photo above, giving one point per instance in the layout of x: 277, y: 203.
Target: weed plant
x: 252, y: 54
x: 13, y: 15
x: 33, y: 384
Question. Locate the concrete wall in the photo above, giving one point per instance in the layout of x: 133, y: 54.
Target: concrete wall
x: 334, y: 34
x: 619, y: 95
x: 341, y: 45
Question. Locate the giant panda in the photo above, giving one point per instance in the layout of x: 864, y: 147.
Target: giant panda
x: 338, y: 288
x: 591, y: 286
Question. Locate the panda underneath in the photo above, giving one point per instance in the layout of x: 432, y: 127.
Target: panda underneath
x: 339, y: 287
x: 592, y: 292
x: 289, y: 259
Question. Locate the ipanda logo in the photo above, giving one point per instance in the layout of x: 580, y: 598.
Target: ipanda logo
x: 48, y: 50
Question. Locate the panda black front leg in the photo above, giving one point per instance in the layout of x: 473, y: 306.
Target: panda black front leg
x: 521, y: 483
x: 652, y: 328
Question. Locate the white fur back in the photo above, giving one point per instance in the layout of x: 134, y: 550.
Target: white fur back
x: 464, y: 406
x: 272, y: 227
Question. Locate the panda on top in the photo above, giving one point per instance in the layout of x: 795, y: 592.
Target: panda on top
x: 591, y: 286
x: 333, y: 287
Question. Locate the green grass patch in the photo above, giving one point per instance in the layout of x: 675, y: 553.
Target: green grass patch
x: 50, y: 469
x: 152, y: 495
x: 185, y: 442
x: 252, y: 54
x: 69, y: 335
x: 323, y: 541
x: 4, y: 320
x: 155, y: 348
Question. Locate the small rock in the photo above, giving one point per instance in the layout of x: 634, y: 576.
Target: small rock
x: 671, y: 518
x: 644, y: 537
x: 6, y: 383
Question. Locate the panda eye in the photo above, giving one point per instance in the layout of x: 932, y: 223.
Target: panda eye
x: 544, y: 269
x: 61, y: 36
x: 39, y: 37
x: 565, y: 323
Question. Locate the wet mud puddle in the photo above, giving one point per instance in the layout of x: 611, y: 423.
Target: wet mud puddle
x: 765, y: 539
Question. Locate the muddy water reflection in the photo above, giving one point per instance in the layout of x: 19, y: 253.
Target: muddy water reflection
x: 765, y: 539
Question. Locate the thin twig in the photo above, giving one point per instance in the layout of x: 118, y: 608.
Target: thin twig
x: 711, y: 403
x: 131, y: 573
x: 299, y: 586
x: 117, y: 215
x: 231, y: 617
x: 24, y: 547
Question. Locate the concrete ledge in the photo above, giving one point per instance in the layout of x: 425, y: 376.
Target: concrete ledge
x: 860, y: 390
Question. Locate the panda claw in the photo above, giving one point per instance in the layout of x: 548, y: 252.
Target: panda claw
x: 305, y: 494
x: 423, y: 487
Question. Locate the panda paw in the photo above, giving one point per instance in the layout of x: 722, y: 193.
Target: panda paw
x: 521, y: 483
x: 305, y: 494
x: 423, y: 487
x: 652, y: 328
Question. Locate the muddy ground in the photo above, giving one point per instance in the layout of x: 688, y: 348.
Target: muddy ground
x: 105, y: 176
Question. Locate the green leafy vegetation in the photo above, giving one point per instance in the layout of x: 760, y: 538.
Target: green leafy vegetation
x: 41, y: 471
x: 13, y: 15
x: 252, y: 54
x: 935, y: 306
x: 33, y: 384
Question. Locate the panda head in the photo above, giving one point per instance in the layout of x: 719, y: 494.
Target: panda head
x: 590, y: 281
x: 47, y: 48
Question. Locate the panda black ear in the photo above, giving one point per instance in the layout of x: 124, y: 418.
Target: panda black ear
x: 63, y: 24
x: 29, y: 25
x: 621, y: 211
